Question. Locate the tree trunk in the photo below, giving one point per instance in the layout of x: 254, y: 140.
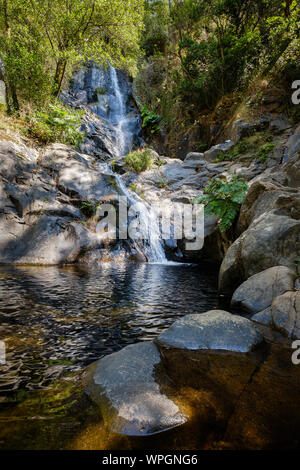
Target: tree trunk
x: 59, y: 76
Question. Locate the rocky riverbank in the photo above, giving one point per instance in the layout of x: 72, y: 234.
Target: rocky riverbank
x: 229, y: 375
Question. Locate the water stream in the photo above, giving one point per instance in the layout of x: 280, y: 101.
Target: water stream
x: 119, y: 117
x: 57, y: 320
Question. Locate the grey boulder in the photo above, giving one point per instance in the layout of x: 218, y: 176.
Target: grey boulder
x: 213, y: 330
x: 283, y: 315
x: 258, y: 292
x: 216, y: 150
x: 124, y: 387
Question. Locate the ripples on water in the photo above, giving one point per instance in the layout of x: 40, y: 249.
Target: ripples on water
x: 57, y: 320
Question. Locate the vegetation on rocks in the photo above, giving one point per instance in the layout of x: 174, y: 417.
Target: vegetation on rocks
x: 57, y: 123
x: 139, y: 160
x: 201, y: 57
x: 224, y: 198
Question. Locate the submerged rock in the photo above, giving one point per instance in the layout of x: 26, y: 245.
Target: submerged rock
x: 213, y: 330
x: 124, y: 387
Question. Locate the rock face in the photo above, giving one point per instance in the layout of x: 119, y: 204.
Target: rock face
x: 123, y: 385
x: 106, y: 97
x: 258, y: 292
x: 216, y: 150
x: 270, y: 219
x: 42, y: 197
x: 213, y: 330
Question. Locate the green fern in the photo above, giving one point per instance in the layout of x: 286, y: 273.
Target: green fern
x: 223, y: 199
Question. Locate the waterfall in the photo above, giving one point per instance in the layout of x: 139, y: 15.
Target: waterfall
x: 150, y: 231
x: 107, y: 93
x: 118, y: 115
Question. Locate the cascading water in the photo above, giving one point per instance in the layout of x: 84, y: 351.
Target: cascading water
x: 107, y: 93
x: 150, y: 232
x: 118, y: 115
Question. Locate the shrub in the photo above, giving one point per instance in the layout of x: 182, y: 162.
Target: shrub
x: 150, y: 120
x: 223, y: 198
x: 139, y: 160
x: 57, y: 124
x: 264, y: 151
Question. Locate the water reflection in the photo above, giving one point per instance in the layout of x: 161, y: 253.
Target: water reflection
x: 56, y: 320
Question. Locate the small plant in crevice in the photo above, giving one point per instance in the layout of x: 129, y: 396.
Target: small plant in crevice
x: 264, y: 151
x: 223, y: 199
x: 161, y: 183
x: 88, y: 208
x: 139, y: 160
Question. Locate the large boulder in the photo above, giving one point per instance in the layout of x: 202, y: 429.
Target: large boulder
x: 264, y: 196
x: 272, y: 239
x: 49, y: 240
x: 123, y: 384
x: 174, y: 171
x: 258, y: 292
x: 213, y: 330
x: 283, y: 314
x: 75, y: 175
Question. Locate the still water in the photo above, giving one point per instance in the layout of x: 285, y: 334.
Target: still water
x: 55, y: 321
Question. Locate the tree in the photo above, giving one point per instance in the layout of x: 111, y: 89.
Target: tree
x: 98, y: 30
x: 40, y: 40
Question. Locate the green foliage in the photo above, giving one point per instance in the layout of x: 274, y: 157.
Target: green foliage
x: 139, y: 160
x: 88, y: 208
x: 156, y: 19
x: 223, y: 199
x: 242, y: 147
x: 213, y: 49
x: 57, y: 124
x: 264, y: 151
x: 41, y: 41
x: 162, y: 183
x: 150, y: 120
x: 261, y: 140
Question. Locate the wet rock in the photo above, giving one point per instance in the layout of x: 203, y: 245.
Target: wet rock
x: 266, y: 415
x: 123, y: 384
x: 213, y: 330
x: 258, y: 292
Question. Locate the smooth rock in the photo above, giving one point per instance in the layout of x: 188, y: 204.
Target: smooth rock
x: 285, y: 312
x: 124, y: 387
x: 213, y: 330
x: 272, y: 239
x: 258, y: 292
